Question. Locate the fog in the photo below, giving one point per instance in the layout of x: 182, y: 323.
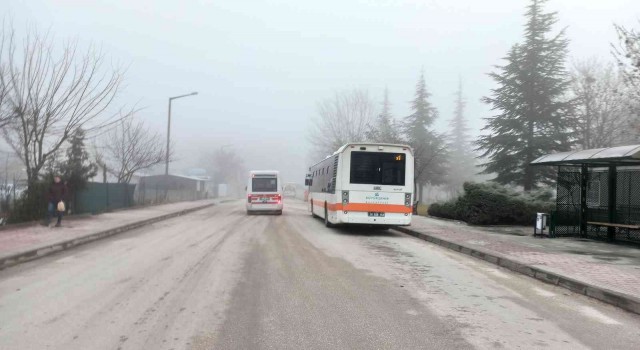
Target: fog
x: 260, y: 67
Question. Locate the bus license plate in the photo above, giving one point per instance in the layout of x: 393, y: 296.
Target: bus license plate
x: 376, y: 215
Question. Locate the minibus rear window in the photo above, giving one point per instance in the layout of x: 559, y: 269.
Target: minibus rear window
x: 264, y: 184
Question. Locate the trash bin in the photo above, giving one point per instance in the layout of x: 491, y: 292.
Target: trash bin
x: 542, y: 223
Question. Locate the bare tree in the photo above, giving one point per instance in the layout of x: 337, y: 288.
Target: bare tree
x: 627, y: 54
x: 50, y: 92
x: 100, y: 159
x: 228, y: 167
x: 5, y: 37
x: 130, y: 147
x: 601, y: 104
x: 344, y: 118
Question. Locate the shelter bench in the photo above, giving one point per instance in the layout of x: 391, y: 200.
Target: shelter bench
x: 627, y: 228
x: 609, y: 224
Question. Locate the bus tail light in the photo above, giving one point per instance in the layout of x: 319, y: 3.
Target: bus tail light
x: 407, y: 200
x: 278, y: 198
x: 345, y: 197
x: 248, y: 198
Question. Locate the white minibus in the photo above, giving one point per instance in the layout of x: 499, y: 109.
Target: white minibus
x: 264, y: 192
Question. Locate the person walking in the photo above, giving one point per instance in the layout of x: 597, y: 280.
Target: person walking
x: 57, y: 194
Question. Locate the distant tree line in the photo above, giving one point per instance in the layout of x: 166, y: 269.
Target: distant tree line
x: 350, y: 116
x: 540, y: 104
x: 56, y: 96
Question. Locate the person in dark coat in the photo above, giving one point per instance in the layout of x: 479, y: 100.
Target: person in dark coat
x: 57, y: 194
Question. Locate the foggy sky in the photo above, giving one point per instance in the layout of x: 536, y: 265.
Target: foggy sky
x: 261, y: 66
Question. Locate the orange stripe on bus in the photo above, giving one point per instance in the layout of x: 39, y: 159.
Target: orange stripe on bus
x: 381, y: 208
x: 365, y: 207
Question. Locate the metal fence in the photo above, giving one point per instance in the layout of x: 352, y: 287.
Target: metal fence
x: 99, y: 197
x: 10, y: 190
x: 626, y: 202
x: 622, y: 209
x: 567, y: 216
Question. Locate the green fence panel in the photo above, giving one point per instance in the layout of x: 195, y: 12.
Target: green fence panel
x: 99, y: 197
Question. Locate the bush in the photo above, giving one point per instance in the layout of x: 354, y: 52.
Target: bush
x: 493, y: 204
x: 31, y: 205
x: 443, y: 210
x: 422, y: 209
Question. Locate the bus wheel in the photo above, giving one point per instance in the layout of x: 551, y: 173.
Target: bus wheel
x: 327, y: 223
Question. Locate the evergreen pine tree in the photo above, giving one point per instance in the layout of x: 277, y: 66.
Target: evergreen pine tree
x: 429, y: 148
x: 77, y: 169
x: 385, y: 128
x: 533, y: 115
x: 462, y: 164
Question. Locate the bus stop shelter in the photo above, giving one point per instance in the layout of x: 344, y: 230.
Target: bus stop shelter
x: 598, y: 193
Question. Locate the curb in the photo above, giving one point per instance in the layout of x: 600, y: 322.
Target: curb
x: 41, y: 251
x: 621, y: 300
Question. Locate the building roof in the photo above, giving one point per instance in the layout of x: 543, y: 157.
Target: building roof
x: 616, y: 156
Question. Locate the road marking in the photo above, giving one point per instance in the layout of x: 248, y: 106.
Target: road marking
x: 597, y: 315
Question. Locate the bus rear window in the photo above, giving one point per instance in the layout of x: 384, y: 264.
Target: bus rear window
x: 264, y: 184
x: 378, y: 168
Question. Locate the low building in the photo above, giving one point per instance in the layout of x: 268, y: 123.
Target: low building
x: 170, y: 188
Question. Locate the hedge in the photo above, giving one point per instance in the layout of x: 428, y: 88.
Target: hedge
x: 31, y: 205
x: 492, y: 204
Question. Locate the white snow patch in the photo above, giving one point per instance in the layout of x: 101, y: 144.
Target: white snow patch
x: 412, y: 312
x: 497, y: 273
x: 597, y: 315
x: 544, y: 293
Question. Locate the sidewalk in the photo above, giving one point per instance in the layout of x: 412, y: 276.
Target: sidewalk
x: 26, y: 243
x: 608, y: 272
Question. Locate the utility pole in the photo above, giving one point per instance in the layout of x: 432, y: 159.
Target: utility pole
x: 166, y: 169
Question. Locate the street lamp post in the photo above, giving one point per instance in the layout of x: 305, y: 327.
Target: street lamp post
x: 166, y: 169
x: 217, y: 174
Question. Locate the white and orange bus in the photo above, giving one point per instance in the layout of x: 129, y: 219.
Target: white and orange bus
x: 363, y: 183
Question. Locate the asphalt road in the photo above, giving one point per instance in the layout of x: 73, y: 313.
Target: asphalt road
x: 218, y: 279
